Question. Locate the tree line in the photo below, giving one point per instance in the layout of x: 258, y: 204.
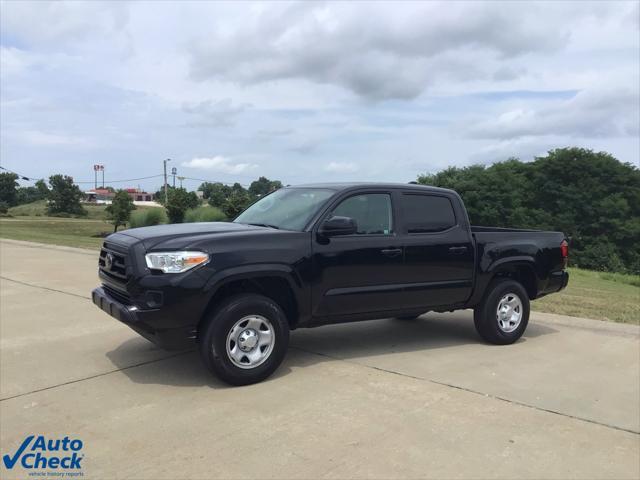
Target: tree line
x: 64, y: 198
x: 590, y: 196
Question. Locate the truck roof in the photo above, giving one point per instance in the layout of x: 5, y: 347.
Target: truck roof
x: 338, y: 186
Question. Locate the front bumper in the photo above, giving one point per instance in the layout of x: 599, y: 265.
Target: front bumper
x: 144, y: 322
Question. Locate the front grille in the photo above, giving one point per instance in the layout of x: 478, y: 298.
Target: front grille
x: 118, y: 295
x: 113, y: 263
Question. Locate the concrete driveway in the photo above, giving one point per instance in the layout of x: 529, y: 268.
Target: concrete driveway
x: 380, y: 399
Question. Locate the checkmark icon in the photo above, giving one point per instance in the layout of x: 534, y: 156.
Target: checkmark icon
x: 10, y: 462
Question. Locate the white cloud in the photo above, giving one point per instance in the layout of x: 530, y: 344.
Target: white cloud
x: 610, y: 112
x: 418, y: 86
x: 219, y: 164
x: 399, y: 51
x: 54, y: 25
x: 208, y: 113
x: 342, y: 167
x: 48, y: 139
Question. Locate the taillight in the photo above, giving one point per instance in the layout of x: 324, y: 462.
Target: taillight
x: 564, y: 250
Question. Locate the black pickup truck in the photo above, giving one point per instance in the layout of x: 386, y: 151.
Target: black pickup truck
x: 318, y: 254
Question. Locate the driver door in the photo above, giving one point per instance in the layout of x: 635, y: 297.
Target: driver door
x: 362, y: 272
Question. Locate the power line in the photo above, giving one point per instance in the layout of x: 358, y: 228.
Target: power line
x: 33, y: 179
x: 22, y: 177
x: 126, y: 180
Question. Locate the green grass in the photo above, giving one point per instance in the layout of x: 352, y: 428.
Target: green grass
x: 147, y: 218
x: 39, y: 209
x: 204, y: 214
x: 600, y: 295
x: 73, y: 232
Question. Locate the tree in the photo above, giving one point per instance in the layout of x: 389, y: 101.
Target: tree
x: 179, y: 202
x: 218, y: 194
x: 120, y: 209
x: 64, y: 197
x: 263, y: 186
x: 590, y: 196
x: 28, y: 195
x: 8, y: 188
x: 42, y: 187
x: 236, y: 203
x: 158, y: 196
x: 39, y: 191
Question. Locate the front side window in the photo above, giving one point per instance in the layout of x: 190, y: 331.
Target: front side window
x: 287, y: 208
x: 427, y: 213
x: 371, y: 211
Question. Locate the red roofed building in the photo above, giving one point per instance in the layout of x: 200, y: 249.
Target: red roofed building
x: 104, y: 195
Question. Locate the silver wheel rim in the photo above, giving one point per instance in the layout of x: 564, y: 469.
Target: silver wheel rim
x: 250, y: 341
x: 509, y: 312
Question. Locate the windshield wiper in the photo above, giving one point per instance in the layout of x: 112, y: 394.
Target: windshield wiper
x: 264, y: 225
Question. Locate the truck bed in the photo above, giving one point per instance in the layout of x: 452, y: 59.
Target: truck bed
x: 481, y: 229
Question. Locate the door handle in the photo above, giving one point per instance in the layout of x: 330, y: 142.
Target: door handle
x: 391, y: 252
x: 457, y: 250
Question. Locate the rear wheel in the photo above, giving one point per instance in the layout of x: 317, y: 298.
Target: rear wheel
x: 245, y: 339
x: 503, y: 315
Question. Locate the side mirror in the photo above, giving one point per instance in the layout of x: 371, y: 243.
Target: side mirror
x: 336, y: 226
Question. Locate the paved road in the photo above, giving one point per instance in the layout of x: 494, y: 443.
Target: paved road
x: 381, y: 399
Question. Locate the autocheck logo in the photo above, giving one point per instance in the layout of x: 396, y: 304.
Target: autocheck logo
x: 40, y: 453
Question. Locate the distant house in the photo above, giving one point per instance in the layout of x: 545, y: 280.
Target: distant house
x: 99, y: 195
x: 104, y: 195
x: 138, y: 195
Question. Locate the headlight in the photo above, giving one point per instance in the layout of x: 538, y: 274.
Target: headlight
x: 175, y: 262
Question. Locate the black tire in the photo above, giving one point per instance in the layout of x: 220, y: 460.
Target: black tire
x: 218, y: 326
x: 485, y: 315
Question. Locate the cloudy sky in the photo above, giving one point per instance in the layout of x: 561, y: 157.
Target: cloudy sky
x: 312, y: 91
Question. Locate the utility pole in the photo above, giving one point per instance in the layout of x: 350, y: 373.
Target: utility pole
x: 102, y: 169
x: 166, y: 190
x: 174, y: 172
x: 180, y: 178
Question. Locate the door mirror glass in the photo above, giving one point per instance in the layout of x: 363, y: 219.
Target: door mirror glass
x: 337, y: 225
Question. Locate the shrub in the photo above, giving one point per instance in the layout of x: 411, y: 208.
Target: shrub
x: 179, y: 202
x: 601, y: 256
x: 120, y: 209
x: 4, y: 207
x: 147, y: 217
x: 64, y: 197
x: 204, y: 214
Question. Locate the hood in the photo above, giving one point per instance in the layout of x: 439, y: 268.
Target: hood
x: 186, y: 229
x: 178, y: 234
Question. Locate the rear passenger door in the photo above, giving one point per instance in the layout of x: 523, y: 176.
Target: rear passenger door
x: 438, y: 251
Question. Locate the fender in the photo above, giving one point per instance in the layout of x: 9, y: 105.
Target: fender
x: 518, y: 260
x: 485, y: 275
x: 242, y: 272
x: 252, y: 270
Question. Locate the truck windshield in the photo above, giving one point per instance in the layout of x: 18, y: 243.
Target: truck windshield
x: 287, y: 208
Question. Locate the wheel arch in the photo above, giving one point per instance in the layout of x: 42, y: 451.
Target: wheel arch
x: 278, y: 284
x: 522, y: 271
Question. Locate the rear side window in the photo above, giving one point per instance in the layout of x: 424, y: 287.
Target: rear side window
x: 427, y: 213
x: 371, y: 211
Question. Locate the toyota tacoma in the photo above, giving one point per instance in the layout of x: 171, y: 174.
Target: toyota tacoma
x: 320, y: 254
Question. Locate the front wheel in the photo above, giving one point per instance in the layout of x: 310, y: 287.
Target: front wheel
x: 503, y: 315
x: 245, y: 339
